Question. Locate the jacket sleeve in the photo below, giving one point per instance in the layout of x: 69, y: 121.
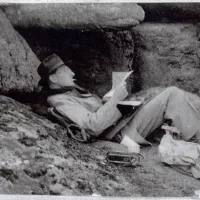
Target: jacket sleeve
x: 97, y: 121
x: 105, y: 116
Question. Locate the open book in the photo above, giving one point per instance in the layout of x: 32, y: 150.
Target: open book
x: 117, y: 79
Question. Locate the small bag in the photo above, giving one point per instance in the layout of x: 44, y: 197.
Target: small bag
x: 77, y: 133
x: 73, y: 130
x: 180, y: 154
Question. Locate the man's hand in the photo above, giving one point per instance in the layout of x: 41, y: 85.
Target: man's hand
x: 120, y: 92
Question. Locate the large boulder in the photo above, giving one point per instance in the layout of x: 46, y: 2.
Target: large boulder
x: 168, y: 54
x: 81, y: 16
x: 94, y: 54
x: 18, y: 64
x: 171, y: 12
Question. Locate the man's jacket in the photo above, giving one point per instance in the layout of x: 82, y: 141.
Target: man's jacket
x: 88, y: 112
x: 85, y: 110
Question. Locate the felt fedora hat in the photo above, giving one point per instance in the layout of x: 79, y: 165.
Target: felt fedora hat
x: 47, y: 66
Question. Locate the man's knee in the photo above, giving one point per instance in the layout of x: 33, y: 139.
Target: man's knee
x: 173, y: 90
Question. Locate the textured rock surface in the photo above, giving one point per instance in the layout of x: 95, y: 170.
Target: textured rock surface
x: 18, y: 63
x: 168, y: 54
x: 171, y: 12
x: 91, y: 55
x: 37, y: 158
x: 83, y: 16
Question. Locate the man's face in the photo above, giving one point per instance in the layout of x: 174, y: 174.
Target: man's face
x: 64, y: 77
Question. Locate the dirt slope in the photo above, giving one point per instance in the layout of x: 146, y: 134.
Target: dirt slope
x: 37, y: 158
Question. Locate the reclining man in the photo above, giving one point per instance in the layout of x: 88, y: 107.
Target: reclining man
x: 76, y: 105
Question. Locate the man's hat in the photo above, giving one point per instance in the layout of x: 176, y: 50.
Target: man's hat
x: 47, y: 66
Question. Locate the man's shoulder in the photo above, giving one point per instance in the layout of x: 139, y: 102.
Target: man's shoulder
x: 52, y: 100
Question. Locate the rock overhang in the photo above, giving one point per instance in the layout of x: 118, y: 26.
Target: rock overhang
x: 84, y: 16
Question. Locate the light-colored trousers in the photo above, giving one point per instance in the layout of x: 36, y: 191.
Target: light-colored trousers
x: 172, y: 103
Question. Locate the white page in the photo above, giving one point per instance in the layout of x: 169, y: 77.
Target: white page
x: 117, y: 79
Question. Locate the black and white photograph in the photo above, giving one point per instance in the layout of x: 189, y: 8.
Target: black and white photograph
x: 100, y: 99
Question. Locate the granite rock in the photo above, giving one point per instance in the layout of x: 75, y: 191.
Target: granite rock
x: 74, y: 16
x: 167, y: 55
x: 18, y: 63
